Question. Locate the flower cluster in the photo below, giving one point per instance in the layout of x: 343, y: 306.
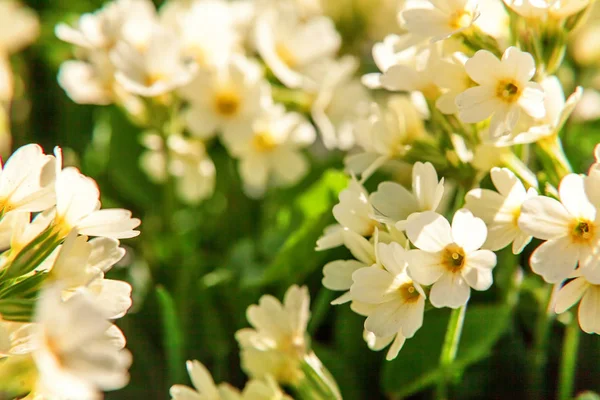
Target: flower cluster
x: 56, y: 307
x: 477, y: 91
x: 275, y: 351
x: 245, y: 72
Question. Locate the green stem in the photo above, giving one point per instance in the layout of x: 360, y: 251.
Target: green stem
x: 539, y: 355
x: 449, y: 350
x: 568, y: 364
x: 318, y: 383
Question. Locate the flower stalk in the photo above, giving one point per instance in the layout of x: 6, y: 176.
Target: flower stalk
x: 568, y: 364
x: 449, y: 350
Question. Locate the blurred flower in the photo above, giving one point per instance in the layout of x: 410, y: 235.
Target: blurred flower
x: 542, y: 8
x: 504, y: 90
x: 277, y: 344
x: 75, y: 351
x: 270, y: 154
x: 501, y: 210
x: 448, y: 257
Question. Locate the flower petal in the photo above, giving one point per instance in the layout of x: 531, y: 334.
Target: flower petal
x: 450, y: 291
x: 570, y: 294
x: 589, y: 309
x: 424, y: 267
x: 468, y: 231
x: 555, y: 260
x: 429, y: 231
x: 544, y: 218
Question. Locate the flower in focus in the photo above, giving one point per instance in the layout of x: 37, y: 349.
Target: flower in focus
x: 501, y: 210
x: 569, y: 226
x: 449, y: 257
x: 398, y: 302
x: 270, y: 154
x: 504, y: 90
x: 395, y: 203
x: 276, y: 344
x: 75, y: 351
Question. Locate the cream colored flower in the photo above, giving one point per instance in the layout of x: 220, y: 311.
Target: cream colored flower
x: 439, y: 19
x: 557, y: 9
x: 78, y: 207
x: 569, y: 226
x: 395, y: 204
x: 398, y: 301
x: 395, y: 341
x: 588, y: 296
x: 153, y: 71
x: 289, y: 45
x: 448, y: 257
x: 75, y: 352
x: 19, y: 26
x: 277, y: 344
x: 504, y: 90
x: 270, y: 155
x: 501, y: 210
x: 227, y: 99
x: 27, y: 181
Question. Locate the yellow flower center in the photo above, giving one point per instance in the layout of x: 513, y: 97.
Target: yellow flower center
x: 409, y: 292
x: 508, y: 91
x: 460, y: 19
x: 153, y: 78
x: 227, y: 103
x: 582, y: 231
x: 285, y: 55
x: 197, y: 54
x: 264, y: 142
x: 453, y: 258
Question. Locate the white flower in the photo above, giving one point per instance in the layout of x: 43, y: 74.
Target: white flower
x: 337, y: 100
x: 277, y: 343
x: 289, y: 45
x: 208, y: 32
x: 88, y: 82
x: 75, y: 351
x: 158, y: 69
x: 569, y: 226
x: 80, y: 265
x: 558, y: 110
x: 453, y: 77
x: 78, y: 206
x: 395, y: 203
x: 448, y: 257
x: 558, y: 9
x: 190, y: 164
x: 226, y: 99
x: 27, y: 180
x: 501, y: 210
x: 270, y: 154
x: 504, y: 90
x: 579, y: 289
x: 376, y: 344
x: 385, y: 133
x: 19, y: 26
x: 440, y: 19
x: 398, y: 301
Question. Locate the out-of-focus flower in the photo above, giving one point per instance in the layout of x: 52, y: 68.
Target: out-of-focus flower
x: 437, y: 19
x: 270, y: 154
x: 501, y: 210
x: 188, y: 163
x: 504, y: 90
x: 75, y: 352
x: 289, y: 45
x: 276, y: 345
x: 543, y: 9
x: 227, y: 99
x: 448, y: 257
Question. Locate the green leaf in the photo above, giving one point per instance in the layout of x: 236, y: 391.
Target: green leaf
x: 416, y: 367
x: 172, y: 337
x: 17, y: 310
x: 314, y: 206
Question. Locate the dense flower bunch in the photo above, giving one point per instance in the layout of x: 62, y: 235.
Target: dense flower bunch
x: 196, y: 71
x: 478, y: 95
x: 57, y: 337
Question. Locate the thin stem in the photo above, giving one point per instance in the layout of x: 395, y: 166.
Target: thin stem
x: 449, y: 350
x: 568, y: 364
x: 539, y: 355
